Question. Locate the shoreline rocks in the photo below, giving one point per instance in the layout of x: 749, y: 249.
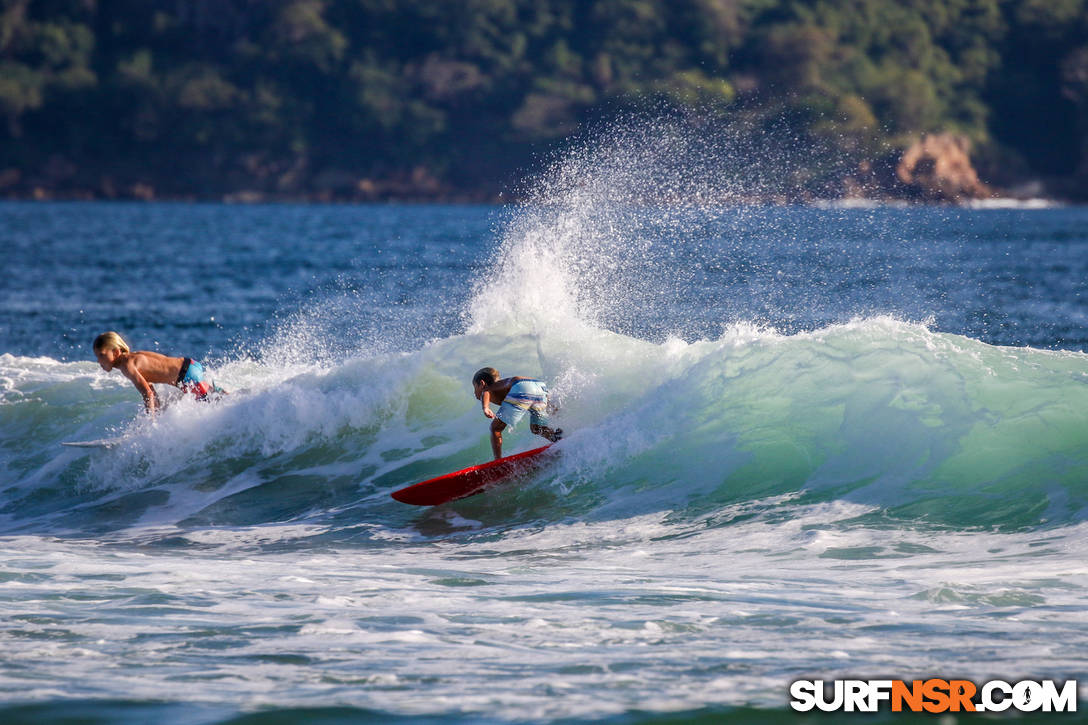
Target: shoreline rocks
x: 935, y: 168
x: 938, y: 167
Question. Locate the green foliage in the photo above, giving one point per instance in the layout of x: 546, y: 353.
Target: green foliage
x: 20, y: 89
x: 214, y: 91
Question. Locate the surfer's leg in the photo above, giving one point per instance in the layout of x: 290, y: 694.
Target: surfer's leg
x: 540, y: 424
x: 497, y: 427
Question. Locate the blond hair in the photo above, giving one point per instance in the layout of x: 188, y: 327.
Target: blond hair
x: 110, y: 341
x: 486, y: 375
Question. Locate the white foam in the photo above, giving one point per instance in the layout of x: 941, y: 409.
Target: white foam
x: 634, y: 603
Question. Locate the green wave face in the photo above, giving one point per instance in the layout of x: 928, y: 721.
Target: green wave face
x: 925, y: 427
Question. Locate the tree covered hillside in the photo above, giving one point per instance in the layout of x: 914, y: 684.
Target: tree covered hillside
x: 360, y: 99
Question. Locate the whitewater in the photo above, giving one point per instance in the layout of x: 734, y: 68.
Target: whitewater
x: 803, y: 443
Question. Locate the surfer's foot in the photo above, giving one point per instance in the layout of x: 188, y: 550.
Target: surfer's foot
x: 551, y: 434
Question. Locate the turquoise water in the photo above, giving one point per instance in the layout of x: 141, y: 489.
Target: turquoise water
x: 802, y: 443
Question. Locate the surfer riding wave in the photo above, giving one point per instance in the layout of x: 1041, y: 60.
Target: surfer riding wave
x: 515, y: 397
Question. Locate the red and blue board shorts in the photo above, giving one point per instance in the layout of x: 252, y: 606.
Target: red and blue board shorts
x: 193, y: 379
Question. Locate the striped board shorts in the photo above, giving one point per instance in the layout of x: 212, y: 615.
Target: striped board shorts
x: 525, y: 396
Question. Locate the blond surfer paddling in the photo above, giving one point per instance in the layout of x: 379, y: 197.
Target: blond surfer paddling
x: 144, y: 367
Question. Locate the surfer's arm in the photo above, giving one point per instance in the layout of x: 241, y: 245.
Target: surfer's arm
x: 485, y: 400
x: 151, y: 402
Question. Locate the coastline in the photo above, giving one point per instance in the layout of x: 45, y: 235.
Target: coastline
x: 473, y: 197
x: 932, y: 168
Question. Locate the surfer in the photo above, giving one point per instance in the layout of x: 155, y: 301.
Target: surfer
x: 144, y: 367
x: 515, y: 396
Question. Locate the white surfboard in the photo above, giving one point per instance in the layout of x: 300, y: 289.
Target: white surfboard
x: 102, y: 443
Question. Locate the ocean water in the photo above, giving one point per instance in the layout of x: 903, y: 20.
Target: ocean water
x: 802, y: 443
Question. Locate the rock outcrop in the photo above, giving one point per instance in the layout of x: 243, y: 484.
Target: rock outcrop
x: 937, y: 167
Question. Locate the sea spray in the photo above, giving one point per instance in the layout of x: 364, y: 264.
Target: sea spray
x: 644, y: 227
x: 592, y: 240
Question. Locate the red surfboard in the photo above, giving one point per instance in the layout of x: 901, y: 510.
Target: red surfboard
x: 470, y: 481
